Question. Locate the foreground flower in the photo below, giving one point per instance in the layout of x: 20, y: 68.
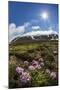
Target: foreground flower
x: 42, y: 64
x: 19, y: 70
x: 34, y: 63
x: 41, y: 60
x: 26, y: 63
x: 31, y: 67
x: 39, y: 67
x: 47, y: 71
x: 53, y: 75
x: 25, y: 77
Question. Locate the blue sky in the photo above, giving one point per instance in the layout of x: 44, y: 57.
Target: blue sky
x: 21, y: 13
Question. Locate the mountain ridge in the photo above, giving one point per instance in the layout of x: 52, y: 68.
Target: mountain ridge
x: 35, y: 36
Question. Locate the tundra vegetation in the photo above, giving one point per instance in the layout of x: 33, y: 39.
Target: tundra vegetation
x: 33, y: 64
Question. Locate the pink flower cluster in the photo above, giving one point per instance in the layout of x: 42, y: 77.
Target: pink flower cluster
x: 24, y: 73
x: 31, y: 67
x: 26, y: 63
x: 36, y: 64
x: 19, y: 70
x: 24, y: 76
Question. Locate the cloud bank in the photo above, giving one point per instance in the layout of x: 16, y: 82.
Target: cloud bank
x: 35, y: 28
x: 34, y: 33
x: 17, y: 31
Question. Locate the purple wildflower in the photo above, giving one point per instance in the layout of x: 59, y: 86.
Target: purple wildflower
x: 19, y: 70
x: 41, y: 60
x: 39, y: 67
x: 26, y: 63
x: 42, y: 64
x: 25, y: 77
x: 31, y: 67
x: 34, y: 63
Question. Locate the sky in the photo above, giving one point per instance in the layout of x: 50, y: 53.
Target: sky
x: 26, y: 17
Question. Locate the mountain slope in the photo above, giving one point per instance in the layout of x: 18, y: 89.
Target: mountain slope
x: 35, y: 36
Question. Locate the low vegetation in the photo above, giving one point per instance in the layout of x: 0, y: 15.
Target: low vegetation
x: 33, y: 64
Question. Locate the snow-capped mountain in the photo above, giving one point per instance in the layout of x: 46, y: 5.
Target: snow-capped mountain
x: 39, y: 33
x: 36, y: 36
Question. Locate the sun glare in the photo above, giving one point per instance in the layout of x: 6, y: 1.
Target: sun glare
x: 44, y: 15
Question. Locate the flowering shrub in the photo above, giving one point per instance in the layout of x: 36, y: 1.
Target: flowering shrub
x: 31, y: 73
x: 23, y: 74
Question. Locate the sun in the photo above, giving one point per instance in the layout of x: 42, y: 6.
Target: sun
x: 44, y: 15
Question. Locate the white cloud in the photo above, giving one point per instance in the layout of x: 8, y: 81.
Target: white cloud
x: 35, y: 27
x: 41, y: 32
x: 15, y: 31
x: 27, y: 24
x: 22, y: 30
